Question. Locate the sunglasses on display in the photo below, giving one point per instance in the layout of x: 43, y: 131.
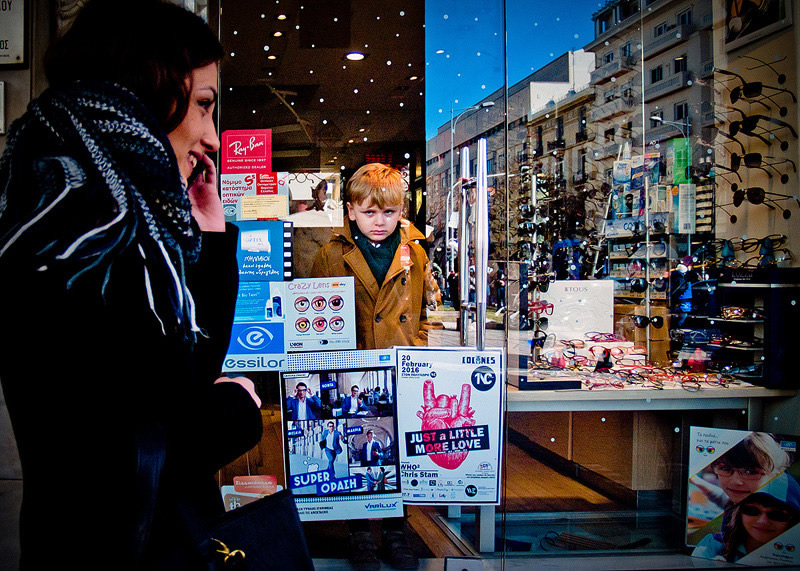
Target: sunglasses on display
x: 542, y: 283
x: 754, y: 90
x: 749, y: 123
x: 780, y: 516
x: 642, y: 321
x: 732, y: 312
x: 781, y: 77
x: 639, y: 285
x: 755, y: 161
x: 757, y: 195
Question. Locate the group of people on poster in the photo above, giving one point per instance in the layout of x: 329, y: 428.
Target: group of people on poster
x: 334, y: 428
x: 745, y: 501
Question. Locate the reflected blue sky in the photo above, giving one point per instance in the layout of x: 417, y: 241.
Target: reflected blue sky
x: 464, y: 47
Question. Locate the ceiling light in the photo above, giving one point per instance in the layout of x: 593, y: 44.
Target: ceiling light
x: 272, y: 57
x: 281, y: 16
x: 278, y: 34
x: 413, y: 78
x: 355, y: 56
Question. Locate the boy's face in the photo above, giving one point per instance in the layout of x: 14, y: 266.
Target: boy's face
x: 375, y: 223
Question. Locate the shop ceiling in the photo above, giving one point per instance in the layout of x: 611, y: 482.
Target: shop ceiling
x: 286, y: 70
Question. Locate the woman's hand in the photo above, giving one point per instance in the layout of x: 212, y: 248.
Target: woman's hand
x: 245, y: 383
x: 206, y: 203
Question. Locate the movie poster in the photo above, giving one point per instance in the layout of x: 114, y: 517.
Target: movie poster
x: 340, y: 434
x: 743, y: 497
x: 450, y: 420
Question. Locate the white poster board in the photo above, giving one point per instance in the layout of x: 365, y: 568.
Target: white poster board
x: 450, y: 416
x: 580, y: 306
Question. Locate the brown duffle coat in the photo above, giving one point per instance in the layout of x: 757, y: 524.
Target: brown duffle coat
x: 390, y: 314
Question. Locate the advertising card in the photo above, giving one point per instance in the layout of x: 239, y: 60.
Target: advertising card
x: 321, y: 314
x: 264, y: 251
x: 246, y: 151
x: 743, y: 497
x: 450, y: 421
x: 340, y: 435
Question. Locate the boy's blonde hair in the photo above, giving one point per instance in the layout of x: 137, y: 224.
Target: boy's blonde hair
x: 376, y: 184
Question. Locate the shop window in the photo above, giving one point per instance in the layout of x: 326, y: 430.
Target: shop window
x: 679, y: 64
x: 656, y: 74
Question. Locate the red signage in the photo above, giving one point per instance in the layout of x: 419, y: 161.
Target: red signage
x: 248, y: 150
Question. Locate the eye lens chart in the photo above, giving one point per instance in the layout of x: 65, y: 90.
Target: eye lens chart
x: 320, y: 314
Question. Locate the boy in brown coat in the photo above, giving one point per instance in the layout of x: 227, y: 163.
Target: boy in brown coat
x: 377, y: 247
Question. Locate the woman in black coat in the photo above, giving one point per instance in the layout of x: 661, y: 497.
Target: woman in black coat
x: 118, y: 288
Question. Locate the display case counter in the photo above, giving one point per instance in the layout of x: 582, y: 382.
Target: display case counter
x: 743, y: 396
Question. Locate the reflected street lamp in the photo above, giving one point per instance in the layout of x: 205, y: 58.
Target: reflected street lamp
x: 449, y: 201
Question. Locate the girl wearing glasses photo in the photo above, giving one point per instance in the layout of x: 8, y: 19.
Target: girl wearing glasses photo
x: 730, y: 479
x: 756, y: 521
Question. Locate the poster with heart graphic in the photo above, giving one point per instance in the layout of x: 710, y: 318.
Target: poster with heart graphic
x: 449, y: 416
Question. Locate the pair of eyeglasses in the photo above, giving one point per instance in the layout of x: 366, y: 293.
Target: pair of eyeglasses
x: 539, y: 307
x: 764, y: 245
x: 773, y: 515
x: 756, y: 161
x: 542, y: 283
x: 753, y: 90
x: 541, y: 323
x: 757, y: 195
x: 598, y: 337
x: 639, y: 285
x: 540, y: 337
x: 749, y: 123
x: 642, y: 321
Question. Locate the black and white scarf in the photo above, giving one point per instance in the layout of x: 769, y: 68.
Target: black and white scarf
x: 95, y: 143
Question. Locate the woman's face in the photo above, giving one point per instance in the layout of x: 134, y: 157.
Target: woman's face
x: 197, y: 135
x: 764, y: 523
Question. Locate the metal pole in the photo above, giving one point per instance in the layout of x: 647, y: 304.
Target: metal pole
x: 463, y: 247
x: 450, y: 187
x: 481, y: 244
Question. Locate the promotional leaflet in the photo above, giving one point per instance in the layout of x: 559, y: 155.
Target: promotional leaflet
x: 246, y: 151
x: 743, y: 497
x: 257, y: 340
x: 264, y: 251
x: 321, y: 314
x: 450, y: 416
x: 579, y: 306
x: 340, y: 434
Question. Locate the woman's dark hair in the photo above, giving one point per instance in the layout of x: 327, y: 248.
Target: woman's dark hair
x: 149, y: 46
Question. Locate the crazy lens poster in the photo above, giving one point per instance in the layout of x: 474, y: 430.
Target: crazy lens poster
x: 340, y: 434
x: 743, y: 497
x: 450, y: 417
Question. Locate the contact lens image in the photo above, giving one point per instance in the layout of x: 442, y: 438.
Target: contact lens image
x: 319, y: 323
x: 336, y: 302
x: 318, y: 303
x: 301, y: 303
x: 337, y: 323
x: 301, y: 325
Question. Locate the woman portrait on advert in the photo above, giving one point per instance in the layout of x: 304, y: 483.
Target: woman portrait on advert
x: 120, y: 280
